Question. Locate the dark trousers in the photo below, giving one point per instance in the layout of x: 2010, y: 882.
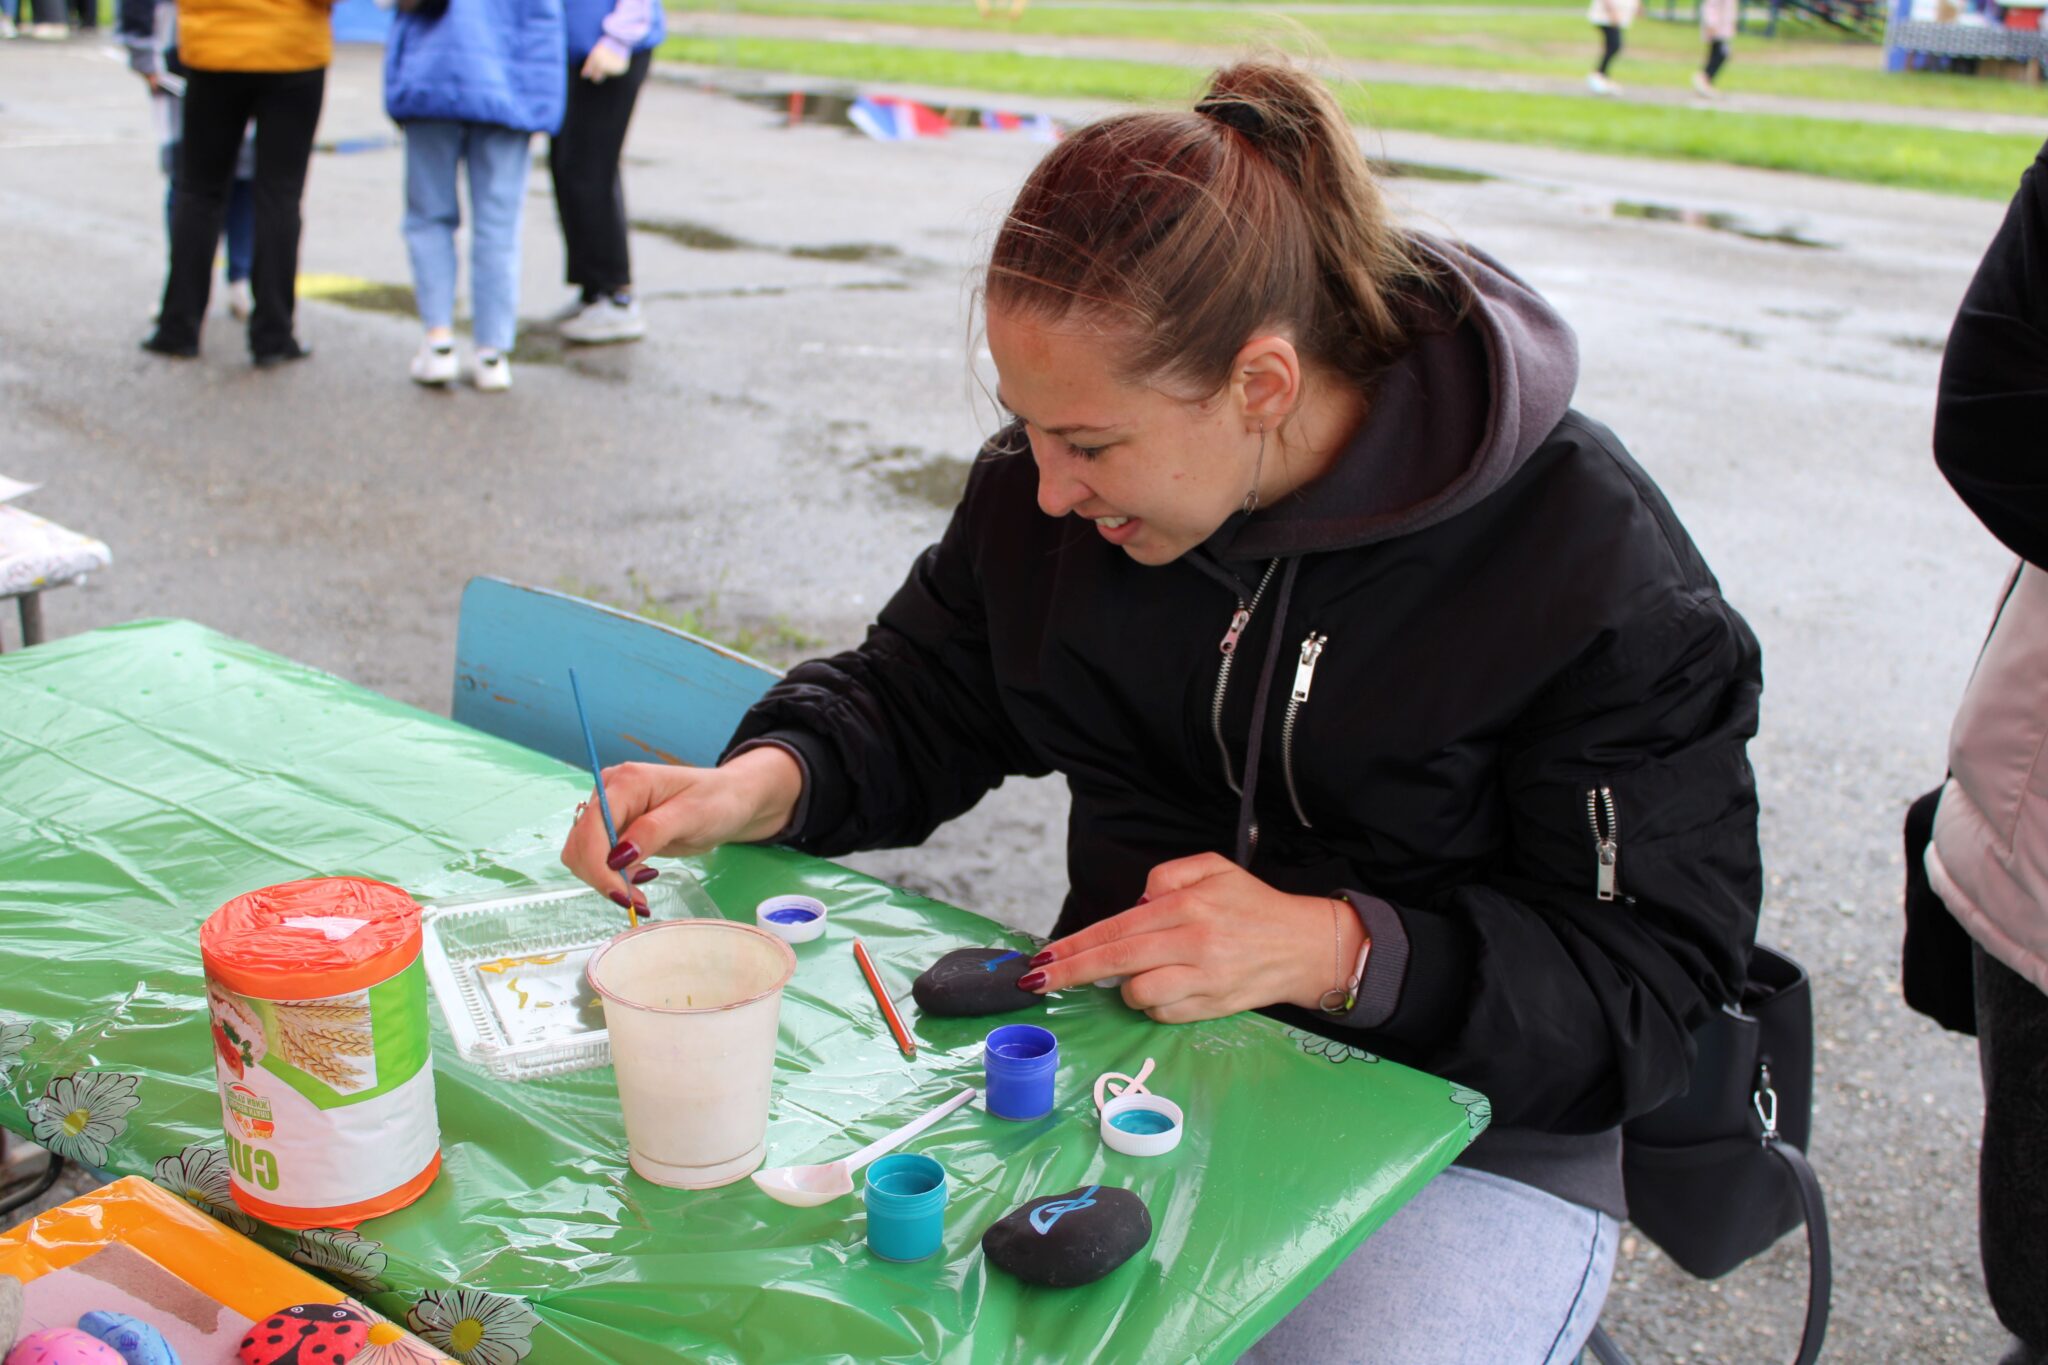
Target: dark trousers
x: 584, y: 160
x: 1610, y: 45
x: 1717, y: 57
x: 218, y: 107
x: 2012, y: 1180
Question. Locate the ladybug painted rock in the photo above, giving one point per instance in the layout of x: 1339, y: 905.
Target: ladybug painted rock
x: 306, y: 1334
x: 62, y: 1346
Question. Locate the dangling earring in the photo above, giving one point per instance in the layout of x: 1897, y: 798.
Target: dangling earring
x: 1251, y: 499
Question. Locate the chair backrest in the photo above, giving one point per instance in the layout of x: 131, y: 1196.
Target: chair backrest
x: 654, y: 693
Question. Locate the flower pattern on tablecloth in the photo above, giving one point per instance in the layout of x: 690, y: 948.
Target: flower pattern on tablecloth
x: 15, y: 1036
x: 475, y: 1327
x: 77, y: 1116
x: 342, y: 1255
x: 1478, y: 1108
x: 199, y: 1176
x: 1329, y: 1049
x: 389, y: 1344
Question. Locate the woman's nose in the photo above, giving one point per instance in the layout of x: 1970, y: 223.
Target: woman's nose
x: 1059, y: 492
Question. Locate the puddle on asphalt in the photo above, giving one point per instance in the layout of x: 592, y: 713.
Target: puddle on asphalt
x: 921, y: 475
x: 370, y: 296
x: 847, y: 251
x: 348, y: 146
x: 1423, y: 170
x: 695, y: 236
x: 702, y: 237
x: 1715, y: 221
x: 1936, y: 345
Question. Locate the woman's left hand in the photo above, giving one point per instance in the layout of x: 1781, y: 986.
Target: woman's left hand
x: 1208, y: 939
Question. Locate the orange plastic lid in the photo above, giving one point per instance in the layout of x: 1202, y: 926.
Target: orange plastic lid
x: 306, y: 940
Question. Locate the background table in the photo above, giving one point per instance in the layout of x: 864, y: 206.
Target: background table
x: 149, y: 772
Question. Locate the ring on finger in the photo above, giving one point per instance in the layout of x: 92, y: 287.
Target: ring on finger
x: 581, y: 806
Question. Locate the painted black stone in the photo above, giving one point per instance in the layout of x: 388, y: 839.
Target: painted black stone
x: 1070, y: 1239
x: 971, y: 981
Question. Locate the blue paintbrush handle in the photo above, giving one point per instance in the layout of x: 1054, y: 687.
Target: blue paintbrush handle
x: 604, y: 807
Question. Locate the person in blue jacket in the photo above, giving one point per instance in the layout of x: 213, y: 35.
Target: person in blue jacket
x: 611, y: 43
x: 471, y: 82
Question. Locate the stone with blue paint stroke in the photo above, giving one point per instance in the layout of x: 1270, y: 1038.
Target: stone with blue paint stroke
x: 1070, y: 1239
x: 968, y: 982
x: 136, y: 1340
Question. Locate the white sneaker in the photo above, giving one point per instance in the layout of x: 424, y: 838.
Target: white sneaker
x: 1701, y: 86
x: 604, y: 321
x: 240, y: 302
x: 493, y: 372
x: 573, y: 308
x: 50, y: 33
x: 435, y: 365
x: 7, y: 29
x: 1599, y: 84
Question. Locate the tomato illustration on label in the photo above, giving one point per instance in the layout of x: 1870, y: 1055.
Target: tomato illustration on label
x: 306, y: 1334
x: 230, y: 1055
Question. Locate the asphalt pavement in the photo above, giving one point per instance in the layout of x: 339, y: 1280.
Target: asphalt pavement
x: 790, y: 434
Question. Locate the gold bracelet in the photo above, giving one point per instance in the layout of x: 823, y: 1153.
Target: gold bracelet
x: 1343, y: 998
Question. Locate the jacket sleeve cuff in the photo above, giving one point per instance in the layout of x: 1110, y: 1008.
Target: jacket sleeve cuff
x: 822, y: 803
x: 1386, y: 965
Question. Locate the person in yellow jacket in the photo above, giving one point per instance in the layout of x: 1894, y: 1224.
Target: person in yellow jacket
x: 264, y: 60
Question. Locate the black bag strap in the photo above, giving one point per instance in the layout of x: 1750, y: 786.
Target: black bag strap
x: 1820, y: 1284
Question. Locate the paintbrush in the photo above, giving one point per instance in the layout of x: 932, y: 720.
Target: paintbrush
x: 604, y: 807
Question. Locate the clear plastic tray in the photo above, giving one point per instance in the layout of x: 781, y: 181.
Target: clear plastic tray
x: 508, y: 971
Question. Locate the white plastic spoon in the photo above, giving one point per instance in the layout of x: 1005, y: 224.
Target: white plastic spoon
x: 804, y: 1186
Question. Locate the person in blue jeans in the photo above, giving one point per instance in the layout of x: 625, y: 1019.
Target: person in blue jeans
x: 470, y: 82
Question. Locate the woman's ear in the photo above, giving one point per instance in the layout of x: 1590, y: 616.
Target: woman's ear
x: 1266, y: 380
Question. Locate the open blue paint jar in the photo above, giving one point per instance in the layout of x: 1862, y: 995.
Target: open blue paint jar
x: 906, y: 1199
x: 793, y: 919
x: 1019, y: 1062
x: 1138, y: 1123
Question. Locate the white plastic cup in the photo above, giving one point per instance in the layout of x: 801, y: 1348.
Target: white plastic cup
x: 691, y: 1006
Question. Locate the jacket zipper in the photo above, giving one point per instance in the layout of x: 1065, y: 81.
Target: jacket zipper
x: 1606, y: 841
x: 1239, y: 619
x: 1304, y: 674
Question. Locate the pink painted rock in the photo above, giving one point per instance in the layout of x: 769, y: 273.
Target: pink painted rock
x: 63, y: 1346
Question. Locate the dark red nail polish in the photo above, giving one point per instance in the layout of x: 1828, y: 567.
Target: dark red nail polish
x: 619, y: 899
x: 1031, y: 981
x: 644, y: 876
x: 639, y: 903
x: 624, y: 854
x: 641, y: 912
x: 1144, y: 899
x: 1041, y: 959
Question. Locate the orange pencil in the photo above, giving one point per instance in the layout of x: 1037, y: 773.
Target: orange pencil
x: 867, y: 969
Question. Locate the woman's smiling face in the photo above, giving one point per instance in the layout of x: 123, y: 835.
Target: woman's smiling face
x: 1155, y: 473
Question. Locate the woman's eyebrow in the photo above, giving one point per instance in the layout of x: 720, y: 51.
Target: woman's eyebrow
x: 1004, y: 404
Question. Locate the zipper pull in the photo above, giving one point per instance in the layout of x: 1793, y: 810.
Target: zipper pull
x: 1239, y: 619
x: 1606, y: 841
x: 1305, y: 671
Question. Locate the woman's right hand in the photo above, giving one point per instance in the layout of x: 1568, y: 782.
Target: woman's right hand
x: 670, y: 810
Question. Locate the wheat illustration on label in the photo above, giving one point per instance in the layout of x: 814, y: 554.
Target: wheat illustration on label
x: 319, y: 1037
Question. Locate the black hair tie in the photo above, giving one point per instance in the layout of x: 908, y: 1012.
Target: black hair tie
x: 1235, y: 113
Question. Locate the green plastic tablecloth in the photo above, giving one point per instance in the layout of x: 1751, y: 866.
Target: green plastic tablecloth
x: 149, y: 772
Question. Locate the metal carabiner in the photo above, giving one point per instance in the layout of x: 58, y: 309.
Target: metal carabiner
x: 1766, y: 1101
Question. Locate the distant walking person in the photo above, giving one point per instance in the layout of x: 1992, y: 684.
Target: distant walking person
x: 1610, y: 17
x: 471, y: 82
x: 1717, y: 25
x: 242, y: 61
x: 610, y: 45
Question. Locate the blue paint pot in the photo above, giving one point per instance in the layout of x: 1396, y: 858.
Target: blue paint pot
x: 1019, y: 1062
x: 1143, y: 1121
x: 793, y: 919
x: 906, y: 1199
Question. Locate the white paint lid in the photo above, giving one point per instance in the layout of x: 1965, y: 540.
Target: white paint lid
x: 1141, y: 1143
x: 793, y: 919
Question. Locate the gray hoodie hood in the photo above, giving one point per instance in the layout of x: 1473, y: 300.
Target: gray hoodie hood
x: 1449, y: 422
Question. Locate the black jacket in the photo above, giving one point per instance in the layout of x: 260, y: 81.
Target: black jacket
x: 1516, y: 624
x: 1992, y: 416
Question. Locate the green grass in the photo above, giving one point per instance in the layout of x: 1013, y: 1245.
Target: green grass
x: 1978, y: 164
x: 1805, y: 61
x: 775, y: 641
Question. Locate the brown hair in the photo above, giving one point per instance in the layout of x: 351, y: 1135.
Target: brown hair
x: 1192, y: 230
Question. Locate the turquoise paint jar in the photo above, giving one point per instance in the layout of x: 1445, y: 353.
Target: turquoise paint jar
x: 906, y: 1200
x: 1019, y: 1063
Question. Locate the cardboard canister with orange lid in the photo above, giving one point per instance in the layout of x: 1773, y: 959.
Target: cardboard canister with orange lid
x: 318, y: 1000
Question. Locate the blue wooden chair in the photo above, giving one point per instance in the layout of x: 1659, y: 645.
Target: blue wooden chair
x: 654, y: 693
